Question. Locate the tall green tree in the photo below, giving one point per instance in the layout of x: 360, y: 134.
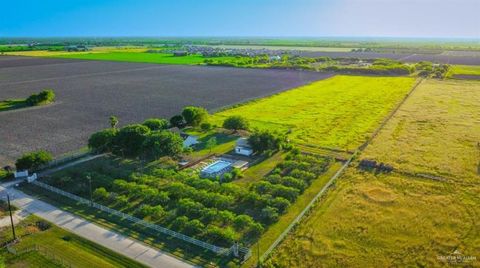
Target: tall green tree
x: 162, y: 143
x: 130, y: 139
x: 194, y: 116
x: 236, y: 122
x: 113, y: 121
x: 210, y: 144
x: 34, y: 160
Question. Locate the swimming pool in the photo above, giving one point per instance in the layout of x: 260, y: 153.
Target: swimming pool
x: 217, y: 166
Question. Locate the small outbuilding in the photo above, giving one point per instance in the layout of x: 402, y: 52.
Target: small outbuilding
x: 242, y: 147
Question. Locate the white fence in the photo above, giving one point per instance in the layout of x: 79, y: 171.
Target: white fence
x: 215, y: 249
x: 64, y: 159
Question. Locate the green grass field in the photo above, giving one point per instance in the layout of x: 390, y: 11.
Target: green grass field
x: 395, y: 220
x: 436, y: 131
x: 385, y: 221
x: 464, y: 70
x: 159, y: 58
x: 338, y: 112
x: 61, y: 244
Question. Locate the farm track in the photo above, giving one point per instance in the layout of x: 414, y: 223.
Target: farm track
x: 88, y: 92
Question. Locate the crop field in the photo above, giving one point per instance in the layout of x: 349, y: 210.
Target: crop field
x: 436, y: 132
x: 46, y: 53
x: 160, y: 58
x: 383, y: 220
x: 338, y: 112
x: 88, y: 92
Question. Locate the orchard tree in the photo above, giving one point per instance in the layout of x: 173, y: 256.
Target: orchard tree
x: 194, y: 116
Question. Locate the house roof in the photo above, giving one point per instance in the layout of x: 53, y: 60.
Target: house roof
x: 243, y: 142
x: 181, y: 133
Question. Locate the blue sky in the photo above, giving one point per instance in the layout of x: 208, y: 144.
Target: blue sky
x: 391, y: 18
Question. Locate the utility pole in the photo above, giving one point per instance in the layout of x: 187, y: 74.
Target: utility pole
x: 258, y: 253
x: 11, y: 217
x: 90, y: 189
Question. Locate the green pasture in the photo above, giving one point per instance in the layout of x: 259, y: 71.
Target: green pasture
x: 159, y: 58
x: 339, y: 112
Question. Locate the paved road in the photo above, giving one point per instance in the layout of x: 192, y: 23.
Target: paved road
x: 116, y: 242
x: 18, y: 216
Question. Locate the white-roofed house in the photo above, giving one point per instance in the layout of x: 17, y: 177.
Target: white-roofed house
x: 242, y: 147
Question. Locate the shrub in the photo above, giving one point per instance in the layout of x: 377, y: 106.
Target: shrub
x: 236, y: 122
x: 205, y: 126
x: 33, y: 160
x: 194, y: 116
x: 43, y: 225
x: 102, y: 141
x: 227, y: 177
x: 156, y: 124
x: 237, y: 173
x: 44, y: 97
x: 100, y: 193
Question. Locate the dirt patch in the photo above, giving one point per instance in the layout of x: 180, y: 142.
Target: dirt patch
x: 379, y: 195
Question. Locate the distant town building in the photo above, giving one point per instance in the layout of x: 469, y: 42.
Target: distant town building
x: 180, y: 53
x: 76, y: 48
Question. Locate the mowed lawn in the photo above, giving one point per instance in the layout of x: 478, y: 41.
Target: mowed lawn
x: 160, y: 58
x: 337, y: 112
x: 56, y: 243
x: 436, y: 131
x: 383, y: 220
